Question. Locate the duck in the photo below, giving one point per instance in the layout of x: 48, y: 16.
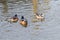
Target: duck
x: 41, y: 16
x: 23, y: 21
x: 14, y: 18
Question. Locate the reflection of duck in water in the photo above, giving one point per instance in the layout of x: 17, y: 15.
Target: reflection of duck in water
x: 41, y: 16
x: 14, y: 18
x: 23, y: 21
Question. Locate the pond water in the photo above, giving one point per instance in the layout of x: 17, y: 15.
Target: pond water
x: 46, y: 30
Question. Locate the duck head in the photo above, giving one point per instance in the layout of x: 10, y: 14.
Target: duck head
x: 15, y: 15
x: 22, y: 17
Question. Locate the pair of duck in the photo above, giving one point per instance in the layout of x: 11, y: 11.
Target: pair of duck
x: 40, y: 17
x: 23, y: 21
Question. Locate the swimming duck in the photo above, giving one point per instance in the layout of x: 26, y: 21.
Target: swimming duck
x: 23, y: 21
x: 41, y: 16
x: 14, y: 18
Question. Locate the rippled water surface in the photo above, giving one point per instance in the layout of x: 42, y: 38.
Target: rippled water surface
x: 46, y: 30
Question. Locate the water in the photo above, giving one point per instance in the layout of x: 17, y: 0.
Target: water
x: 46, y: 30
